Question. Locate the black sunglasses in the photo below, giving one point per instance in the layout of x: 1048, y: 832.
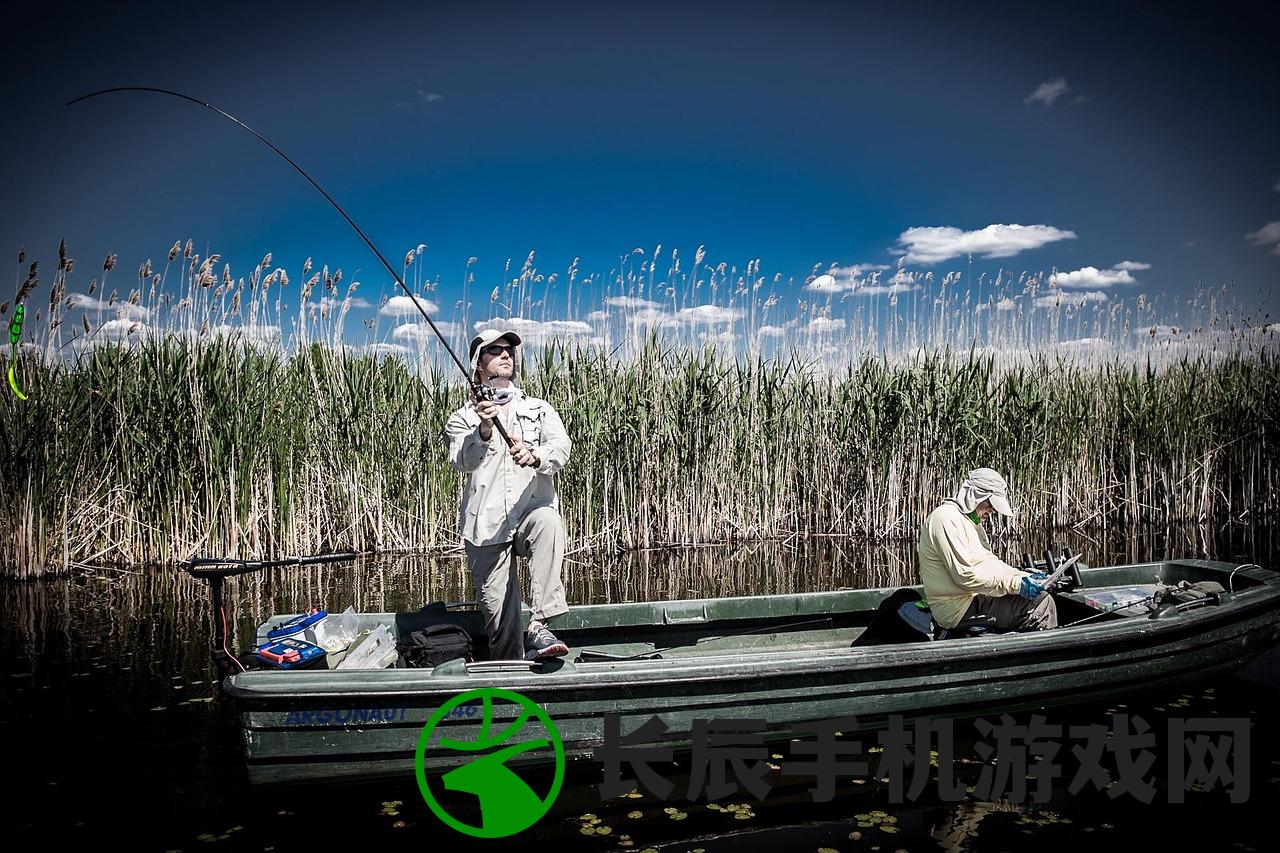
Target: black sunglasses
x: 497, y: 349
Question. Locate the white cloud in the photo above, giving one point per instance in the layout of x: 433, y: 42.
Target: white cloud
x: 932, y: 245
x: 1006, y: 304
x: 726, y: 337
x: 773, y: 331
x: 420, y: 97
x: 706, y: 314
x: 825, y: 325
x: 1131, y: 266
x: 398, y: 306
x: 384, y: 349
x: 599, y: 315
x: 892, y: 287
x: 1087, y: 277
x: 1079, y: 345
x: 329, y: 303
x: 828, y: 283
x: 861, y: 279
x: 123, y: 310
x: 1048, y: 92
x: 1267, y: 235
x: 120, y: 329
x: 421, y: 333
x: 630, y: 302
x: 541, y: 331
x: 1070, y: 300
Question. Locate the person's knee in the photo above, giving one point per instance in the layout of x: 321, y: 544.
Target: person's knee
x: 543, y: 526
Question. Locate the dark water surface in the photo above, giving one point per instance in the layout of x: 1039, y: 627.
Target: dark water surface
x: 113, y: 731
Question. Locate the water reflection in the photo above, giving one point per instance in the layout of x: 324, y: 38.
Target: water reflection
x: 108, y: 700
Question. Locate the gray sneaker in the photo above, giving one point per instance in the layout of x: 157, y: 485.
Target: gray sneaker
x: 543, y: 644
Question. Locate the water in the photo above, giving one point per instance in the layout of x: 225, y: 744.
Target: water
x: 113, y: 730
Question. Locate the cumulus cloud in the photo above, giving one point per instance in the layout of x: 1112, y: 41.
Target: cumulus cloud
x: 825, y: 325
x: 828, y: 283
x: 1267, y: 235
x: 725, y: 337
x: 862, y: 279
x: 1087, y: 277
x: 1080, y: 345
x: 1132, y: 266
x: 541, y: 331
x: 707, y: 314
x: 123, y: 310
x: 384, y: 349
x: 398, y: 306
x: 773, y: 331
x: 1070, y: 300
x: 630, y: 302
x: 932, y: 245
x: 1048, y: 92
x: 329, y: 303
x: 420, y: 333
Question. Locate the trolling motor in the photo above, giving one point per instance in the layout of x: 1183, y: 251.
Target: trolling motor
x: 1064, y: 574
x: 215, y: 570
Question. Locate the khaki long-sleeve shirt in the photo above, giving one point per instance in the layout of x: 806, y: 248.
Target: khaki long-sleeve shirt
x: 498, y: 492
x: 956, y: 564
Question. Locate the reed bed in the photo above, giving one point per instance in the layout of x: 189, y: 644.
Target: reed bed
x: 207, y: 433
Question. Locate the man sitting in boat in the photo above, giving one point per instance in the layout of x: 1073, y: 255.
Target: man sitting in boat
x: 961, y: 576
x: 509, y: 505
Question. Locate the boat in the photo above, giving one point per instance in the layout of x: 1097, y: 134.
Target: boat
x: 784, y: 659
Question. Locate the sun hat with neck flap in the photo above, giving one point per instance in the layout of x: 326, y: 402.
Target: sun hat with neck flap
x: 493, y: 336
x: 984, y: 484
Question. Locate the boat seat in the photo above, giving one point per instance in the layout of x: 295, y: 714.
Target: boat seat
x: 920, y: 619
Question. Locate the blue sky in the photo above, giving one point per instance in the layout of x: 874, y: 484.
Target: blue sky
x: 796, y: 133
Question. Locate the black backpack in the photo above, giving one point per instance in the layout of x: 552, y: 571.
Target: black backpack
x: 435, y: 644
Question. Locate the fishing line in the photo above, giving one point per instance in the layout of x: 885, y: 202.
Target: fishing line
x: 481, y: 392
x: 19, y: 311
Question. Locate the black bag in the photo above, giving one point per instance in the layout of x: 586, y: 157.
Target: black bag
x: 435, y: 644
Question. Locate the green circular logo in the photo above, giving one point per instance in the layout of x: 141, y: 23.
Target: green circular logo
x: 507, y: 804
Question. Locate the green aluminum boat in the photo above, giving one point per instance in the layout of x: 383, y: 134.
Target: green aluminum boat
x: 786, y: 659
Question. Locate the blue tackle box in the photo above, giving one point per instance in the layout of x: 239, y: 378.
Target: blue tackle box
x: 297, y: 625
x: 290, y: 654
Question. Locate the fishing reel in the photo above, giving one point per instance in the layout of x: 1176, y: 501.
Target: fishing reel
x: 498, y: 396
x: 1063, y: 572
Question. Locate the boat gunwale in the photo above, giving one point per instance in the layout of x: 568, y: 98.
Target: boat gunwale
x: 1236, y: 606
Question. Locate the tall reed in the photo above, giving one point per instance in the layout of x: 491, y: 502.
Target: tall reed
x: 211, y: 432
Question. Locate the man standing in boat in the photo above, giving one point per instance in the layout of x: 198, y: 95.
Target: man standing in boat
x: 509, y: 504
x: 960, y: 574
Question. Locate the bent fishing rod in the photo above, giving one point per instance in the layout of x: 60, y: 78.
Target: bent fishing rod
x: 480, y: 391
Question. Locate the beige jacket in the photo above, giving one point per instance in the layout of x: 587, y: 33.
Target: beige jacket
x: 956, y: 564
x: 498, y: 492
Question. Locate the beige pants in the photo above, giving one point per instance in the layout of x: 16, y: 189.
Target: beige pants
x: 540, y: 538
x: 1015, y: 613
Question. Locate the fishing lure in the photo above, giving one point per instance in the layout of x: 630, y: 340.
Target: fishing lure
x: 15, y: 335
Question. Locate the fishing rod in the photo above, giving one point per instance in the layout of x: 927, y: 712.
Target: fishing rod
x: 481, y: 391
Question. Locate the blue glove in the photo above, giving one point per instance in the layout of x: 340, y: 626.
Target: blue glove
x: 1032, y: 585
